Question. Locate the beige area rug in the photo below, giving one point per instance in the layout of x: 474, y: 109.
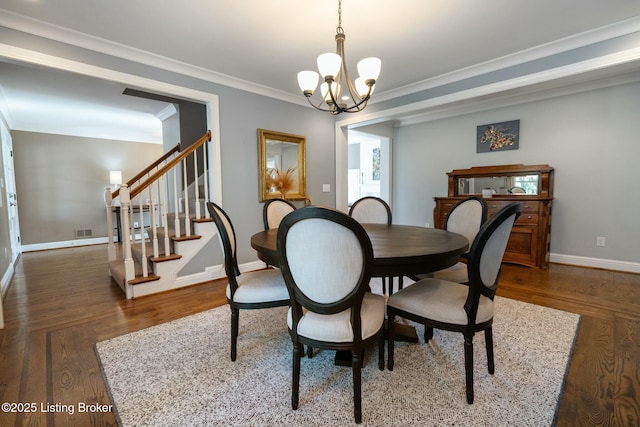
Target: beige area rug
x: 180, y: 374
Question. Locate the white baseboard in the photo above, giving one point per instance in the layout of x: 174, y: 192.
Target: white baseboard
x: 64, y: 244
x: 606, y: 264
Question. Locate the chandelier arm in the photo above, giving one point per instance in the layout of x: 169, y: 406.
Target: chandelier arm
x: 318, y: 107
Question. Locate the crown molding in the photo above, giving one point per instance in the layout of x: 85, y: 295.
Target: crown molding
x: 471, y: 100
x: 74, y: 38
x: 82, y: 40
x: 566, y: 44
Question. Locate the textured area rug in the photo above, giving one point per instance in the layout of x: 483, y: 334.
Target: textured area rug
x: 180, y: 374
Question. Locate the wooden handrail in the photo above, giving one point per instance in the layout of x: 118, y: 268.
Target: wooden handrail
x: 146, y: 170
x: 153, y: 178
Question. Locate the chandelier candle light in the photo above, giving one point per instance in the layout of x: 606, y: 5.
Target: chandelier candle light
x: 333, y: 68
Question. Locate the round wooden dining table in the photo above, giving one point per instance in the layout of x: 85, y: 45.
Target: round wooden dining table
x: 398, y: 250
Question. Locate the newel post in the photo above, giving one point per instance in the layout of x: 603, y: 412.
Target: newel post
x: 129, y: 268
x: 108, y: 199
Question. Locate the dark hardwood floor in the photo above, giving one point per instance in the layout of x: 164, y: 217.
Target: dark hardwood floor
x: 62, y: 302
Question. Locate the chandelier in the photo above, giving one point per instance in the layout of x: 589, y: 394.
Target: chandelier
x: 339, y: 94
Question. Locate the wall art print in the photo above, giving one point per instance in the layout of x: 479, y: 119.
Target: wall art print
x: 498, y: 137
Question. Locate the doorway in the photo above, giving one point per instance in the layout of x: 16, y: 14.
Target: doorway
x: 369, y: 166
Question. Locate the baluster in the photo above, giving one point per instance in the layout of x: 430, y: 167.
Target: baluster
x: 175, y: 203
x: 197, y: 183
x: 205, y: 177
x: 185, y: 191
x: 153, y: 222
x: 143, y: 240
x: 164, y: 203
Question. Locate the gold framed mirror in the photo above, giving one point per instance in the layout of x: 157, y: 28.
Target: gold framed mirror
x: 281, y: 165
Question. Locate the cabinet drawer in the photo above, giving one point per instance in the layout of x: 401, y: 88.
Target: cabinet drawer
x: 526, y: 218
x: 527, y: 206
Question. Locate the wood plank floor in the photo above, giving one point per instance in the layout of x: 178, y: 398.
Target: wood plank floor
x: 62, y: 302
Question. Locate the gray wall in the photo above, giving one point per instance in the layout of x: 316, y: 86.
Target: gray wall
x: 591, y: 139
x: 61, y: 180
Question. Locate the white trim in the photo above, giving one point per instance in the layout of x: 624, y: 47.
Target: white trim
x: 555, y: 47
x: 64, y: 244
x: 74, y: 38
x: 606, y: 264
x: 4, y: 283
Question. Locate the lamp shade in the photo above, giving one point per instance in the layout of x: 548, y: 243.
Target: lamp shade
x: 115, y: 177
x: 369, y: 68
x: 329, y: 64
x: 308, y: 80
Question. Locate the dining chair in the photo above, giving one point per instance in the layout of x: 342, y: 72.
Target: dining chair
x: 326, y: 263
x: 250, y: 290
x: 374, y: 210
x: 465, y: 217
x: 274, y: 210
x: 452, y: 306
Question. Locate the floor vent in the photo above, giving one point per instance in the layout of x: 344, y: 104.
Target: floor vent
x: 83, y: 233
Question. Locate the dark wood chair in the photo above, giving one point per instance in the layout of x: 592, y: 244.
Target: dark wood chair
x: 247, y: 291
x: 374, y: 210
x: 465, y: 217
x: 326, y: 264
x: 457, y: 307
x: 274, y: 210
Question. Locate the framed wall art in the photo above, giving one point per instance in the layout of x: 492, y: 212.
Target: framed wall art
x: 498, y: 137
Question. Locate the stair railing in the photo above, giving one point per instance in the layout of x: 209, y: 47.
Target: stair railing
x: 151, y: 191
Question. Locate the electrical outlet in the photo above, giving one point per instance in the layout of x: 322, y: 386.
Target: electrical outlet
x: 135, y: 224
x: 600, y: 241
x: 426, y: 224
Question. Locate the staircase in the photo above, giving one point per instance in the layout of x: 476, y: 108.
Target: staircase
x: 164, y: 224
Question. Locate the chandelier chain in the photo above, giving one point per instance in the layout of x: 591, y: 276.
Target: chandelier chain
x: 339, y: 29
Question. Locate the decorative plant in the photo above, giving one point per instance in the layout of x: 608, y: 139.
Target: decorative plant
x: 282, y: 181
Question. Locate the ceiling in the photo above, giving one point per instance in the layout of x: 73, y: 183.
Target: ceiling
x: 261, y: 45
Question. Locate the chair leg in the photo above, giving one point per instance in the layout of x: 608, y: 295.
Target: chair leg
x: 428, y: 334
x: 468, y: 366
x: 235, y: 314
x: 356, y: 366
x: 295, y: 385
x: 390, y: 340
x: 488, y: 340
x: 309, y: 351
x: 381, y: 351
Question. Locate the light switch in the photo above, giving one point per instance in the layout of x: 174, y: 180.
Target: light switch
x: 326, y: 188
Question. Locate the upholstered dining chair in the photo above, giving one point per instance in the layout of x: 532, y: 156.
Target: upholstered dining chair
x: 250, y: 290
x: 274, y: 210
x: 452, y: 306
x: 465, y: 217
x: 373, y: 210
x: 326, y: 264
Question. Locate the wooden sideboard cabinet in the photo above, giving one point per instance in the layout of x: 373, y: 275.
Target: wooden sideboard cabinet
x: 530, y: 238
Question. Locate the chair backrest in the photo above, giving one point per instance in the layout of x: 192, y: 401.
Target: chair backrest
x: 487, y: 250
x: 326, y: 261
x: 227, y: 238
x: 273, y: 212
x: 466, y: 217
x: 371, y: 210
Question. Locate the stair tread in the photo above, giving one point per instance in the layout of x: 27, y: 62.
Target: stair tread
x: 140, y: 279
